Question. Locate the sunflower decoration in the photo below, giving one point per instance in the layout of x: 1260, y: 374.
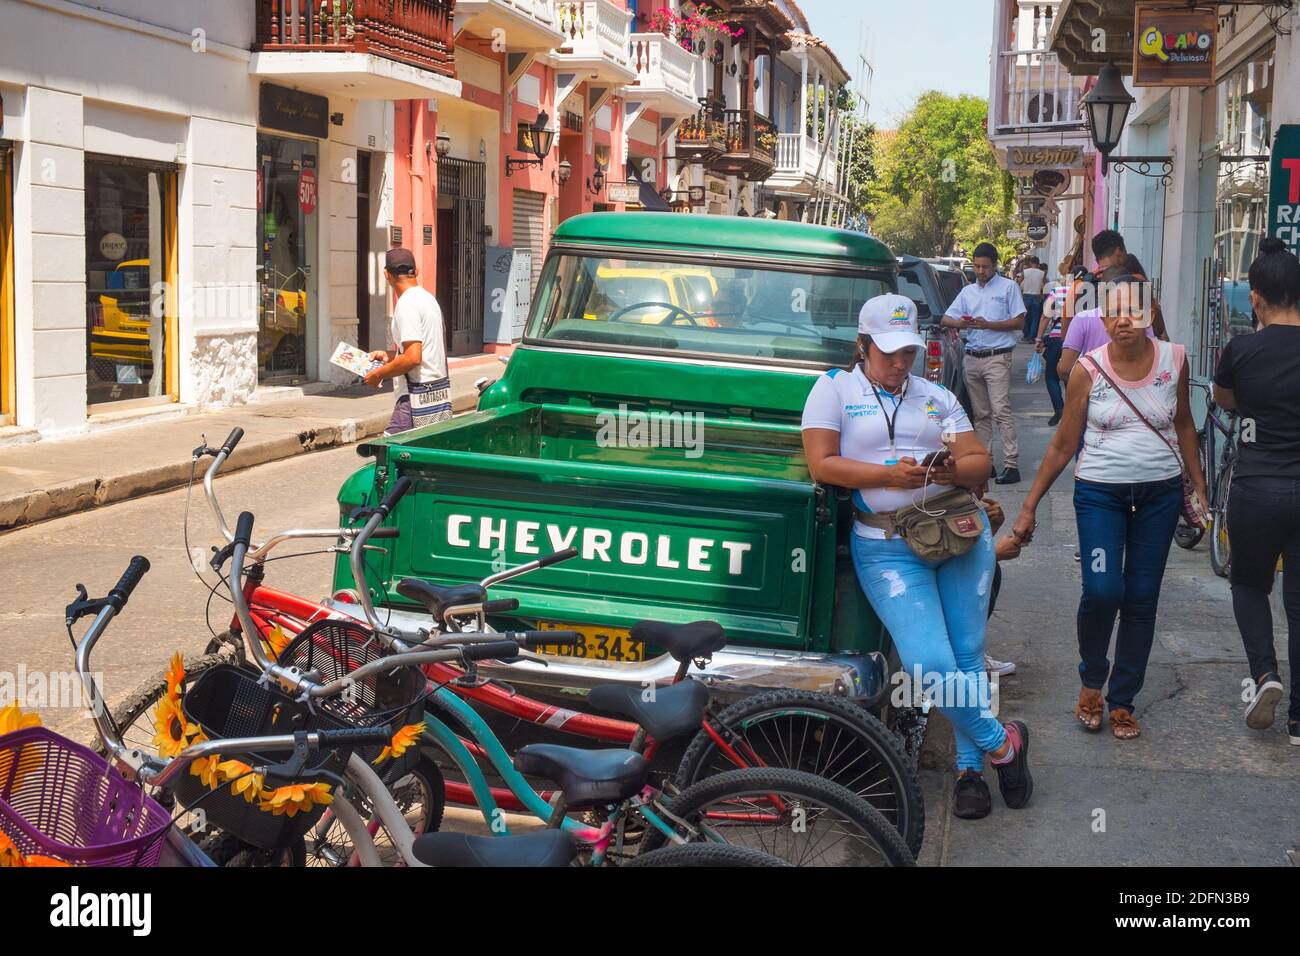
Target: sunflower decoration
x: 296, y: 798
x: 241, y: 778
x: 205, y: 768
x: 173, y: 732
x: 175, y: 676
x: 10, y: 855
x: 12, y: 718
x: 402, y: 741
x: 37, y: 859
x: 275, y: 641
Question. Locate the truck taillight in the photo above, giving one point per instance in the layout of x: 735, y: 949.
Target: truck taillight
x: 934, y: 361
x: 347, y: 596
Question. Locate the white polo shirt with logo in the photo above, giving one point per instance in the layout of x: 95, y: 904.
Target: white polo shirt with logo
x: 997, y: 301
x: 845, y: 402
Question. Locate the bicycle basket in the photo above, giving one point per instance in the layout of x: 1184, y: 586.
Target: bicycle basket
x: 227, y: 701
x: 335, y: 649
x: 62, y: 800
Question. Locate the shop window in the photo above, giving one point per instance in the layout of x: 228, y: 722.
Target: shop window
x: 6, y: 287
x: 130, y: 282
x: 289, y: 190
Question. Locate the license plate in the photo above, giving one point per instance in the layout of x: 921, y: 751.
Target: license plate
x: 598, y: 643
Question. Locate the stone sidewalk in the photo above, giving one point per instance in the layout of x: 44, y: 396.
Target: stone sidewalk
x: 49, y: 478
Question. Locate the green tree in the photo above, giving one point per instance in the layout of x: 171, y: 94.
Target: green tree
x: 937, y: 185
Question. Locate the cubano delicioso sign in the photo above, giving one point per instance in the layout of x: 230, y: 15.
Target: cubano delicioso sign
x: 293, y: 111
x: 1025, y: 159
x: 1174, y: 46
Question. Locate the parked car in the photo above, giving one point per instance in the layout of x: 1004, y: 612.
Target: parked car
x: 945, y: 352
x: 729, y: 527
x: 951, y: 279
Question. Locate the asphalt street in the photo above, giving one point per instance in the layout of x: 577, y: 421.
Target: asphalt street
x: 1197, y: 788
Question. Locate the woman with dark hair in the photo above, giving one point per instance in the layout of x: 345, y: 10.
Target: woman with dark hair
x: 906, y: 448
x: 1128, y: 492
x: 1259, y: 378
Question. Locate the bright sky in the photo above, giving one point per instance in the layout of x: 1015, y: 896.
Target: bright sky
x: 917, y: 45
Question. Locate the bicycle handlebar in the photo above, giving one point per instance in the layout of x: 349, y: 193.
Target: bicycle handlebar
x: 232, y: 440
x: 121, y: 591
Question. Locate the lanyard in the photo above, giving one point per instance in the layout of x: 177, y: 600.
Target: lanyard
x: 890, y: 422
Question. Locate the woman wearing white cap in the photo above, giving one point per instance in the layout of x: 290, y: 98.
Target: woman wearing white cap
x: 922, y: 549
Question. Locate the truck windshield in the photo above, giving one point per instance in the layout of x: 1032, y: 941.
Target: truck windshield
x: 733, y: 310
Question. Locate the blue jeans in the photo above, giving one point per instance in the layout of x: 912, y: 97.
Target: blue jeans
x: 1124, y: 535
x: 1052, y: 355
x: 1033, y: 315
x: 936, y: 614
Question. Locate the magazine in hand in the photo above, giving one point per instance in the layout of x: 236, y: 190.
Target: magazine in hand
x: 357, y: 362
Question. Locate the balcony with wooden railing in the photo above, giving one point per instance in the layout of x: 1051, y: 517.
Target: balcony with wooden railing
x: 666, y: 74
x: 702, y: 138
x: 749, y: 146
x: 366, y: 49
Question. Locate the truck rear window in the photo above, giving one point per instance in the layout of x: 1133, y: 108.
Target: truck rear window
x: 732, y: 310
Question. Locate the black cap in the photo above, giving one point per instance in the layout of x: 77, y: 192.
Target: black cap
x: 400, y: 261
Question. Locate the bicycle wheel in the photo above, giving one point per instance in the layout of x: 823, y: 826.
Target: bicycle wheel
x: 1220, y: 549
x: 227, y: 850
x: 420, y: 795
x: 822, y: 734
x: 803, y: 819
x: 135, y: 716
x: 706, y: 854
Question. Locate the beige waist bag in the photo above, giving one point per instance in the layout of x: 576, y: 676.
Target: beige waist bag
x: 947, y: 528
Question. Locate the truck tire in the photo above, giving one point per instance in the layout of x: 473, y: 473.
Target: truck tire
x: 864, y: 837
x: 852, y: 748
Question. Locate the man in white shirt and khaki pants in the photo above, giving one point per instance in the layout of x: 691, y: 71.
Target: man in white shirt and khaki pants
x: 419, y: 367
x: 991, y: 312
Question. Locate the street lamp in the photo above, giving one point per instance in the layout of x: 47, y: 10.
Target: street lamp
x: 597, y: 181
x: 566, y: 170
x: 443, y: 143
x: 536, y: 139
x: 1108, y: 104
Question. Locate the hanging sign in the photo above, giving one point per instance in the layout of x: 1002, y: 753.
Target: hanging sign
x: 1029, y: 159
x: 1174, y: 46
x: 629, y: 191
x: 1284, y: 187
x: 307, y: 191
x: 293, y: 111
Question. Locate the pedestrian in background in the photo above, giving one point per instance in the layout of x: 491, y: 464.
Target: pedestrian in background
x: 1128, y: 494
x: 418, y: 366
x: 1032, y: 281
x: 1133, y: 266
x: 1259, y: 378
x: 991, y: 311
x: 1047, y: 342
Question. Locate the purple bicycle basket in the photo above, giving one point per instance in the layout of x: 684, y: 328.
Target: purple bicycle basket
x: 62, y: 800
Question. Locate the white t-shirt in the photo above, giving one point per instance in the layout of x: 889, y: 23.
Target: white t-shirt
x: 417, y: 317
x: 845, y: 402
x: 1032, y: 282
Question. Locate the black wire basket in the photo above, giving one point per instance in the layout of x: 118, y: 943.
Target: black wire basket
x: 334, y: 649
x: 227, y: 701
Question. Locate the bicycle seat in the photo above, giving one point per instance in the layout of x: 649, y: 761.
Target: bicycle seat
x: 585, y: 776
x: 542, y: 848
x: 685, y: 642
x: 437, y: 599
x: 675, y: 709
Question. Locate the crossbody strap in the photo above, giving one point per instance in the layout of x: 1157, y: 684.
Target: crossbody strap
x: 1129, y: 402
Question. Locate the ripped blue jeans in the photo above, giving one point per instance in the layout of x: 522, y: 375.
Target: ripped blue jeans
x: 936, y: 614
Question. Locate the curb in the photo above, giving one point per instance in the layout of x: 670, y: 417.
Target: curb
x: 86, y: 493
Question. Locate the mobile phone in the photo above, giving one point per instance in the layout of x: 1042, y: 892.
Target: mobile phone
x: 936, y: 459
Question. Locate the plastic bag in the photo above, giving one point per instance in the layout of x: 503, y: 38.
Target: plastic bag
x: 1034, y: 371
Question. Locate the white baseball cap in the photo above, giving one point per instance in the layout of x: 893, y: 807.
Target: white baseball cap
x: 890, y: 320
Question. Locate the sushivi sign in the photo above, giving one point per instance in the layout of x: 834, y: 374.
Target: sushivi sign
x: 1029, y: 159
x: 1284, y: 187
x: 1174, y: 45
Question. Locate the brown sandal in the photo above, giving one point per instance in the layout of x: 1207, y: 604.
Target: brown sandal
x: 1089, y: 709
x: 1122, y: 724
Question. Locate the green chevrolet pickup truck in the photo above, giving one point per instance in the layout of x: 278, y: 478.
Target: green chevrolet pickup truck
x: 650, y: 419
